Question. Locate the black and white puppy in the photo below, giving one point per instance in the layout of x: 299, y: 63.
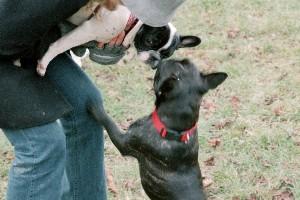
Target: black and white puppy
x: 156, y: 43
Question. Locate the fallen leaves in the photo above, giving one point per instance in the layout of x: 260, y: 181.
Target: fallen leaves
x: 207, y: 182
x: 297, y: 143
x: 235, y: 103
x: 271, y: 99
x: 110, y: 183
x: 129, y: 184
x: 8, y: 155
x: 209, y: 107
x: 222, y: 124
x: 283, y: 191
x: 252, y: 196
x: 233, y: 33
x: 261, y: 180
x: 284, y: 195
x: 214, y: 142
x: 210, y: 161
x: 278, y: 110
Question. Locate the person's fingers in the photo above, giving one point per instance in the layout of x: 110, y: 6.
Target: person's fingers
x: 120, y: 38
x: 112, y: 42
x: 130, y: 22
x: 116, y: 41
x: 101, y: 44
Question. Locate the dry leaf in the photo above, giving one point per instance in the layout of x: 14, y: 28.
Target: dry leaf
x: 266, y: 163
x: 297, y: 143
x: 210, y: 161
x: 262, y: 180
x: 207, y: 182
x: 222, y: 124
x: 285, y: 195
x: 236, y: 198
x: 8, y: 155
x: 129, y: 184
x: 278, y: 111
x: 214, y: 142
x: 285, y: 183
x: 233, y: 33
x: 253, y: 197
x: 271, y: 99
x: 208, y: 105
x: 235, y: 102
x: 110, y: 183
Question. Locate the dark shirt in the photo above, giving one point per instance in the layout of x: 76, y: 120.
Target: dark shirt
x: 27, y: 27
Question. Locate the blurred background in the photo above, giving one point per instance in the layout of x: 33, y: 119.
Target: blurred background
x: 249, y: 128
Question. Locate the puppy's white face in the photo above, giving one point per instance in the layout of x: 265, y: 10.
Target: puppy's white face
x: 156, y: 43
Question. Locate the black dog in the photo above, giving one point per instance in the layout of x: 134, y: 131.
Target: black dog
x: 166, y: 142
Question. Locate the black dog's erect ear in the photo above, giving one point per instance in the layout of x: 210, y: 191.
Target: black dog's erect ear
x: 211, y: 81
x: 189, y: 41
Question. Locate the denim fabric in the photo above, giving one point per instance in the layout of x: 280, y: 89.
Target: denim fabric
x: 64, y: 159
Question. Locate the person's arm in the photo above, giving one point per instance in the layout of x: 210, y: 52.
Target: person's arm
x: 100, y: 28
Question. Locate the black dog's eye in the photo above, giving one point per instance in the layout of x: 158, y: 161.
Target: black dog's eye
x: 175, y: 76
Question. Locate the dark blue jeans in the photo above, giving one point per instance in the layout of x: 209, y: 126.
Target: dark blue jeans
x: 64, y: 159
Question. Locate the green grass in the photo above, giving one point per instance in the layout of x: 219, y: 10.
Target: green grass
x: 258, y: 154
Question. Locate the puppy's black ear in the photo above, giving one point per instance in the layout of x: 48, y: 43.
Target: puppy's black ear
x: 211, y: 81
x: 189, y: 41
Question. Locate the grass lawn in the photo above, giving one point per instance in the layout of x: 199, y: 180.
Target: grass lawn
x: 249, y: 128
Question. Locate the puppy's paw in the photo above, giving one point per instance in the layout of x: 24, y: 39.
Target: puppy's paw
x: 41, y: 69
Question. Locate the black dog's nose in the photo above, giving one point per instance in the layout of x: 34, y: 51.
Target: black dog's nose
x: 154, y: 59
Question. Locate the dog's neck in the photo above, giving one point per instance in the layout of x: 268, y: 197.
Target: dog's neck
x: 179, y: 116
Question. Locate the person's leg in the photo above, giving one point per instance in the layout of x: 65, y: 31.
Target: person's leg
x: 84, y: 136
x: 38, y: 167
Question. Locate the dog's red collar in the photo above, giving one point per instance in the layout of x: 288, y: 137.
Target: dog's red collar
x: 163, y: 131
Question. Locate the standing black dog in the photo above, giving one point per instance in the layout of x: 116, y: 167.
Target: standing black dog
x: 166, y: 142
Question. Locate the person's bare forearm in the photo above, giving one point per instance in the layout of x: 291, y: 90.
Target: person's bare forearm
x: 101, y: 28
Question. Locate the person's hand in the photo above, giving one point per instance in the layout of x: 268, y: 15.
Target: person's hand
x: 109, y: 53
x: 113, y: 51
x: 103, y: 53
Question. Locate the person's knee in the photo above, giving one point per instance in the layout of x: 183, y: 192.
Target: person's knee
x: 54, y: 150
x: 43, y: 149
